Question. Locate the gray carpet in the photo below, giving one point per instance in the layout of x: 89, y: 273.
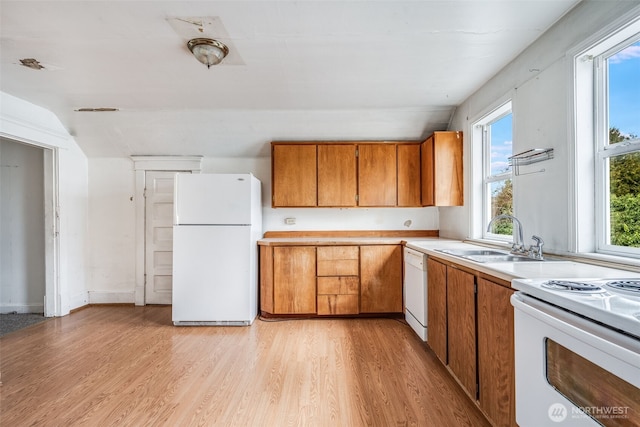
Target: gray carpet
x: 14, y: 321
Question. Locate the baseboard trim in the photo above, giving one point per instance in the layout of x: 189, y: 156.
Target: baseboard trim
x: 102, y: 297
x: 22, y: 308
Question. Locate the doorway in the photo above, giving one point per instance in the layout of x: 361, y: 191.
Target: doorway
x: 159, y: 236
x: 154, y: 223
x: 23, y: 239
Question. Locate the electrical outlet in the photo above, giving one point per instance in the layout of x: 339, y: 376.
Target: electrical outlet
x: 290, y: 221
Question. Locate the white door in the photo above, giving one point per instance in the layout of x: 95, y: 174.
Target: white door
x: 158, y: 236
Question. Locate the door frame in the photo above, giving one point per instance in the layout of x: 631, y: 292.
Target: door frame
x: 52, y: 291
x: 142, y: 164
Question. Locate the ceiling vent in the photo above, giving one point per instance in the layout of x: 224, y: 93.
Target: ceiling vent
x: 31, y: 63
x: 96, y: 110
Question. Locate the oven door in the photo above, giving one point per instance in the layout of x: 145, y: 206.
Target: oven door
x: 571, y: 371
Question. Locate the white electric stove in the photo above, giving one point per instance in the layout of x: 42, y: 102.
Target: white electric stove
x: 612, y: 302
x: 577, y: 351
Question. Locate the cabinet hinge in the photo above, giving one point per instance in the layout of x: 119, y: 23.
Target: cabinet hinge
x: 477, y: 391
x: 357, y: 152
x: 144, y: 192
x: 357, y: 198
x: 475, y: 287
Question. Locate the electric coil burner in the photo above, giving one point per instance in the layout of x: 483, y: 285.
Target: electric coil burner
x: 571, y: 286
x: 631, y: 286
x: 614, y: 302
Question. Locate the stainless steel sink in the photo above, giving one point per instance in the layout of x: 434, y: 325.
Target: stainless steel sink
x: 472, y: 252
x: 501, y: 258
x: 487, y: 255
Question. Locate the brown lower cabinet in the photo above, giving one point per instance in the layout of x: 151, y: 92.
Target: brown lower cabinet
x: 381, y: 279
x: 437, y: 308
x: 330, y: 280
x: 496, y: 360
x: 338, y: 280
x: 338, y: 295
x: 461, y: 327
x: 294, y: 280
x: 470, y: 329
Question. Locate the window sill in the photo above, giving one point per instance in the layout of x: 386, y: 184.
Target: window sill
x: 614, y: 261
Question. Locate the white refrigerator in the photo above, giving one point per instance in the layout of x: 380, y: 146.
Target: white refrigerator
x: 217, y: 222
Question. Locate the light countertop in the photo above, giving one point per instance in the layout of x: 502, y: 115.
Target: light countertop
x: 327, y: 241
x: 552, y: 268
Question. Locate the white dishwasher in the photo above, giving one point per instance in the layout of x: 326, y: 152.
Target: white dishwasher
x: 415, y: 291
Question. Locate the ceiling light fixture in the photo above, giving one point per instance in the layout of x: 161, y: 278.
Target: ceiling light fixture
x: 208, y: 51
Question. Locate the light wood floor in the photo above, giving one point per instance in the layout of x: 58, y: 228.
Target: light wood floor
x: 128, y: 366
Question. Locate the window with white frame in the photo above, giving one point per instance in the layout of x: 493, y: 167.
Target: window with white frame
x: 497, y: 192
x: 617, y: 140
x: 606, y: 179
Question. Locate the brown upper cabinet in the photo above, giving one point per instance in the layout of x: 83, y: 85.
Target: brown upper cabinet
x: 442, y: 177
x: 294, y: 176
x: 409, y: 186
x: 368, y: 173
x: 377, y: 175
x: 337, y: 175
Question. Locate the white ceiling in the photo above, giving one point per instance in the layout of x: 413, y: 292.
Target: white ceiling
x: 312, y: 70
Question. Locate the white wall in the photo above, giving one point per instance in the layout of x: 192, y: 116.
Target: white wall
x: 112, y: 232
x: 539, y: 82
x: 112, y: 254
x: 23, y: 121
x: 22, y: 248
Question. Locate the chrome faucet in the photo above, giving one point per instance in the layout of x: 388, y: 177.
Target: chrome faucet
x: 535, y: 252
x: 518, y: 248
x: 518, y: 244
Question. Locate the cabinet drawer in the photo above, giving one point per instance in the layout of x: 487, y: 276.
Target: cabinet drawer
x: 337, y: 261
x: 337, y: 304
x: 339, y: 285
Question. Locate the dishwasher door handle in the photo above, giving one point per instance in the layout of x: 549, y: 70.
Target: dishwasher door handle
x: 415, y: 259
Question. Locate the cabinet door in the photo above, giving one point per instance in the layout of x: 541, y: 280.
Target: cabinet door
x: 428, y: 172
x: 294, y: 279
x: 409, y: 175
x: 338, y: 260
x: 461, y: 327
x: 437, y: 308
x: 266, y: 279
x: 337, y: 177
x: 496, y: 359
x: 377, y: 176
x: 381, y: 279
x: 442, y: 170
x: 338, y: 295
x: 294, y: 178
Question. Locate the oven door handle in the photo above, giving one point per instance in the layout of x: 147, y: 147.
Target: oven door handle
x: 624, y: 347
